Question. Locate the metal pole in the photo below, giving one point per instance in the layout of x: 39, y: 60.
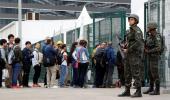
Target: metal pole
x: 94, y: 32
x: 111, y: 20
x: 145, y: 18
x: 20, y: 20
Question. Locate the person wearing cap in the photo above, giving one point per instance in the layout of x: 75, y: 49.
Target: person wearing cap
x: 59, y: 44
x: 133, y: 57
x: 152, y: 49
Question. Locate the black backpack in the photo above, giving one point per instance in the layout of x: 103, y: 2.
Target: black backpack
x: 59, y: 57
x: 2, y: 61
x: 48, y: 62
x: 103, y: 59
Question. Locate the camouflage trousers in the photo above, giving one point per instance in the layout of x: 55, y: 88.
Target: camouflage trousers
x: 142, y: 71
x: 153, y: 70
x: 132, y: 70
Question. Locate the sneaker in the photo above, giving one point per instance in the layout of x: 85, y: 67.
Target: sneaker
x: 8, y: 86
x: 34, y: 85
x: 21, y: 86
x: 54, y: 87
x: 45, y: 86
x: 16, y: 87
x: 26, y: 86
x: 38, y: 85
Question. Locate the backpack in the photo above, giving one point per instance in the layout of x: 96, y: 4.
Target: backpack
x: 59, y: 57
x: 40, y: 56
x: 48, y: 62
x: 2, y: 61
x: 11, y: 56
x: 103, y: 59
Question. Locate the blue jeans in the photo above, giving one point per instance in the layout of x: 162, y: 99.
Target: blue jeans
x: 63, y: 73
x: 16, y: 68
x: 0, y: 77
x: 75, y: 74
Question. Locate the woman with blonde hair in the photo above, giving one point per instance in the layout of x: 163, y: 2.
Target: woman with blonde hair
x: 37, y: 61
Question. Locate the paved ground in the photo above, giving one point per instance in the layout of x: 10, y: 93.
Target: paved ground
x: 70, y: 94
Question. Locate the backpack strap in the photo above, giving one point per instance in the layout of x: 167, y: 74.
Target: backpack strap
x: 14, y: 49
x: 37, y: 54
x: 0, y: 53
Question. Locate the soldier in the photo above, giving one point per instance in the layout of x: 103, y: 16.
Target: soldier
x: 153, y: 49
x: 133, y: 57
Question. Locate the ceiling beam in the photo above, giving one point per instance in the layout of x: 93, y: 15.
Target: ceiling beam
x: 42, y: 17
x: 103, y: 1
x: 57, y: 8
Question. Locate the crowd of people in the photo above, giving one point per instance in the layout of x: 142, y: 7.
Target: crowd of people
x: 56, y: 59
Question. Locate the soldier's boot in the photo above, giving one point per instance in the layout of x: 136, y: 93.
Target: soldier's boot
x: 150, y: 89
x: 126, y: 93
x: 137, y: 93
x: 156, y: 91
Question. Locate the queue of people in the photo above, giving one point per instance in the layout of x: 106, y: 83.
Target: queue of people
x: 56, y: 59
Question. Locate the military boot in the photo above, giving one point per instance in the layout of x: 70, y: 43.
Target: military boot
x: 150, y: 89
x: 137, y: 93
x: 156, y: 91
x: 126, y: 93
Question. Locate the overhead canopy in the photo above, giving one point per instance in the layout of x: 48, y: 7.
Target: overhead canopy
x: 83, y: 20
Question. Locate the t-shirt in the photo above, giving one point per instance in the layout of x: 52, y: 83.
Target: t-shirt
x: 64, y: 62
x: 82, y: 54
x: 74, y: 55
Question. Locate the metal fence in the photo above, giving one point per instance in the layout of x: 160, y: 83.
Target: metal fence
x: 106, y: 27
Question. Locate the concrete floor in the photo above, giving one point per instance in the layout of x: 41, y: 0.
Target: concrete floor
x: 70, y: 94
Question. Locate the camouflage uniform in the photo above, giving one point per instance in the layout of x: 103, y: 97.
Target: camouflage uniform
x: 133, y: 58
x: 153, y: 44
x: 153, y: 49
x: 143, y: 65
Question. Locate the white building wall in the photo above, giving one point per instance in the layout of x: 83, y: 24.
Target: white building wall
x: 167, y: 38
x: 9, y: 29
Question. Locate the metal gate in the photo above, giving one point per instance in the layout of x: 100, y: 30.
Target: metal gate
x: 107, y: 27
